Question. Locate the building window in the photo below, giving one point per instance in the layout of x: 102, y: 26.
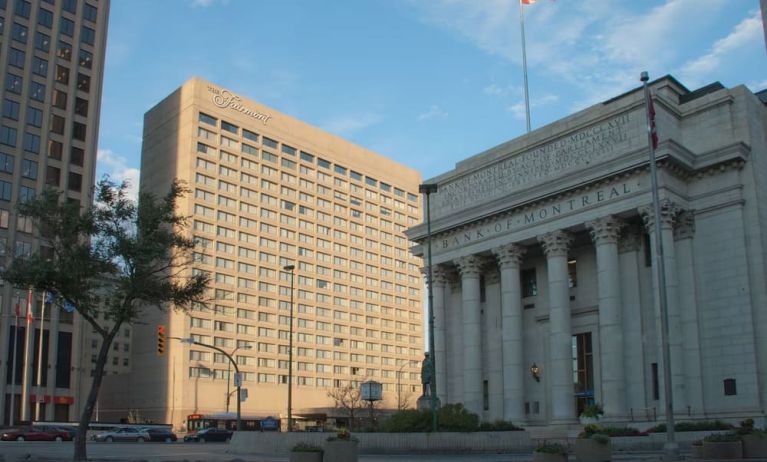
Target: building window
x: 529, y: 282
x: 26, y: 193
x: 29, y: 169
x: 37, y: 91
x: 62, y: 74
x: 23, y: 8
x: 52, y: 176
x: 85, y: 59
x: 69, y: 5
x: 39, y: 66
x: 64, y: 51
x: 13, y: 83
x: 655, y: 382
x: 67, y: 27
x: 78, y: 131
x: 16, y: 58
x: 83, y: 82
x: 210, y: 120
x: 76, y: 156
x: 55, y: 149
x: 5, y: 190
x: 45, y: 18
x: 57, y: 124
x: 7, y: 135
x: 6, y: 163
x: 730, y: 388
x: 34, y: 117
x: 31, y: 142
x: 89, y: 12
x: 75, y: 182
x: 10, y: 109
x: 87, y: 35
x: 42, y: 42
x: 59, y: 99
x: 19, y: 33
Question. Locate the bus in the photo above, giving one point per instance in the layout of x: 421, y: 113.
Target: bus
x: 228, y: 420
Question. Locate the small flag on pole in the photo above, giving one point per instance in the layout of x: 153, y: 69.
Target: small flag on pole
x: 30, y: 318
x: 527, y: 2
x: 18, y: 308
x: 653, y: 129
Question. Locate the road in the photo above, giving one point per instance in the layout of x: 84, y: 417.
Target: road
x: 12, y: 451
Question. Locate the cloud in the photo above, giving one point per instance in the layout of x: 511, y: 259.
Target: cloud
x: 748, y: 30
x: 597, y: 47
x: 433, y: 112
x: 117, y: 168
x: 346, y: 125
x: 518, y: 108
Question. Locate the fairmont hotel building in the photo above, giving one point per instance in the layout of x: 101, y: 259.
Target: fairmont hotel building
x: 544, y: 276
x: 269, y: 191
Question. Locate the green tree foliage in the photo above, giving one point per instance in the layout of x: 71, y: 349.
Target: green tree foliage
x: 111, y: 261
x: 450, y: 418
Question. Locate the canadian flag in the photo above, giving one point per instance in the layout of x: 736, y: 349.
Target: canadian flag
x: 527, y: 2
x: 30, y: 318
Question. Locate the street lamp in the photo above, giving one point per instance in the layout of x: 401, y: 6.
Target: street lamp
x: 291, y: 269
x: 428, y: 189
x: 229, y: 373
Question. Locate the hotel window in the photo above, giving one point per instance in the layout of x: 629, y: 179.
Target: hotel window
x: 40, y: 66
x: 45, y: 18
x: 210, y: 120
x: 16, y: 58
x: 323, y: 163
x: 34, y: 117
x: 85, y: 59
x: 248, y: 149
x: 29, y: 169
x: 13, y: 83
x: 78, y: 131
x: 83, y: 83
x: 291, y: 151
x: 89, y: 12
x: 67, y: 27
x: 529, y: 282
x: 231, y: 128
x: 269, y: 142
x: 87, y: 35
x: 249, y: 135
x: 305, y: 156
x: 10, y: 109
x: 37, y: 91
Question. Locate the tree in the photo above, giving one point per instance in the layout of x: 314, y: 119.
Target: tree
x: 134, y: 251
x: 347, y: 399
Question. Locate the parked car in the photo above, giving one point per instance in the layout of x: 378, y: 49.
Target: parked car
x: 35, y: 433
x: 209, y: 434
x: 160, y: 434
x: 123, y: 434
x: 72, y: 430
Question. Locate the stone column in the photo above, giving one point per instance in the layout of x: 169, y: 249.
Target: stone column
x: 53, y: 354
x: 492, y: 344
x: 439, y: 279
x: 470, y: 269
x: 688, y: 306
x: 669, y: 212
x: 633, y: 344
x: 509, y: 259
x: 604, y: 232
x: 560, y: 366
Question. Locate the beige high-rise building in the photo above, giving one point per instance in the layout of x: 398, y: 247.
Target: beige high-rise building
x: 52, y: 65
x: 269, y: 191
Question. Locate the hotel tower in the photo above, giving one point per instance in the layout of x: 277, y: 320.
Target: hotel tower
x: 269, y: 192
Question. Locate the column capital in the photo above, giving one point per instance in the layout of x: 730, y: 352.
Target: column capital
x: 509, y: 255
x: 668, y: 214
x: 439, y: 275
x: 685, y: 225
x: 556, y: 243
x: 605, y: 230
x: 629, y: 241
x: 470, y: 265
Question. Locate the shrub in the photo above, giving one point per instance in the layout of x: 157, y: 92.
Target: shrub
x: 621, y: 431
x: 408, y: 421
x: 551, y: 448
x: 499, y: 426
x: 729, y: 437
x: 342, y: 434
x: 600, y: 438
x: 306, y: 447
x: 593, y: 410
x: 703, y: 425
x: 589, y: 430
x: 456, y: 418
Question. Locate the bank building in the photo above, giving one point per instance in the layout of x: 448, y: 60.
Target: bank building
x: 543, y: 264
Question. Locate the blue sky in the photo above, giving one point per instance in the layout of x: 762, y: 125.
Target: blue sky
x: 425, y: 82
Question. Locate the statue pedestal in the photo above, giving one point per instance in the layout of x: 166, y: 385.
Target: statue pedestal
x: 424, y: 403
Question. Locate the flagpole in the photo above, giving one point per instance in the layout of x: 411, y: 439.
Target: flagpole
x: 39, y: 395
x: 29, y: 344
x: 12, y: 411
x: 670, y: 448
x: 524, y: 63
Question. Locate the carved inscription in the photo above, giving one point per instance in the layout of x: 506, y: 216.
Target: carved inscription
x: 570, y: 152
x: 521, y: 220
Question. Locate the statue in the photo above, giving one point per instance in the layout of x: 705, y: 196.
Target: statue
x: 426, y: 370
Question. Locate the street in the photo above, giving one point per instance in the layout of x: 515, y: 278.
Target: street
x: 12, y: 451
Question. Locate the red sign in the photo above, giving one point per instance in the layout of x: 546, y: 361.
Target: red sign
x: 63, y: 400
x: 45, y: 398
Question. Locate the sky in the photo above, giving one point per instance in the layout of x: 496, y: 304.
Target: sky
x: 424, y: 82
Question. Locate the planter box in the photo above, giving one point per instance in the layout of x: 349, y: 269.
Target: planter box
x: 697, y: 451
x: 546, y: 457
x: 340, y: 451
x: 305, y: 457
x: 754, y: 447
x: 588, y: 450
x: 723, y: 450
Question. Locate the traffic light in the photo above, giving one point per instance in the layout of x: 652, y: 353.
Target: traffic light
x: 160, y: 339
